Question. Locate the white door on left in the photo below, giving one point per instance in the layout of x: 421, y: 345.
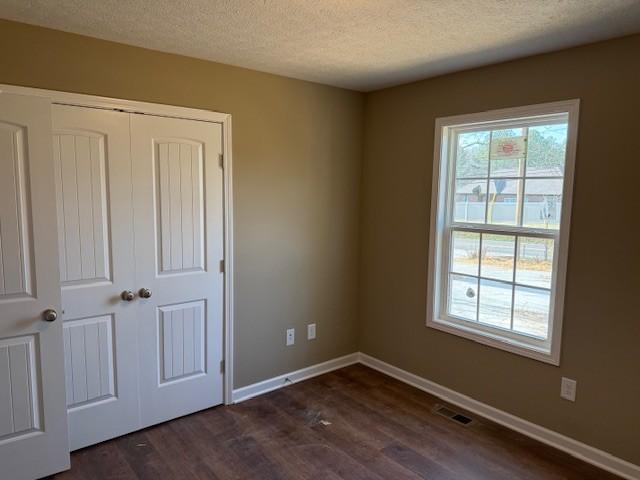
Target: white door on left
x: 33, y: 417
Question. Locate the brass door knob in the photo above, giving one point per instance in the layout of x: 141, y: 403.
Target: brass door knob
x: 49, y: 315
x: 127, y: 295
x: 145, y: 293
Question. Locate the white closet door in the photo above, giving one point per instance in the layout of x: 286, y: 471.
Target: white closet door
x: 93, y: 175
x: 178, y: 218
x: 33, y: 418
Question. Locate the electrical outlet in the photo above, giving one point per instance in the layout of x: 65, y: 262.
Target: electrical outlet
x: 311, y: 331
x: 291, y: 336
x: 568, y: 389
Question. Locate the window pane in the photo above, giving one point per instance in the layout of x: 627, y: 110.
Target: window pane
x: 465, y: 252
x: 463, y: 297
x: 497, y: 256
x: 531, y: 311
x: 506, y: 133
x: 535, y: 261
x: 542, y: 203
x: 547, y: 145
x: 503, y: 201
x: 470, y: 200
x: 507, y: 153
x: 495, y: 303
x: 506, y: 167
x: 473, y: 155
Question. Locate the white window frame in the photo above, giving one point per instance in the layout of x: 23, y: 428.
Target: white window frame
x: 546, y: 351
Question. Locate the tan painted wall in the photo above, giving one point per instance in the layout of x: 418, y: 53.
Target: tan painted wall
x: 600, y: 346
x: 297, y: 154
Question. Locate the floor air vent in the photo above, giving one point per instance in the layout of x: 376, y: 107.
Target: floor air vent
x: 453, y: 415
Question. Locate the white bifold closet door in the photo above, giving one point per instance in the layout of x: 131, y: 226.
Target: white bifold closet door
x: 140, y: 216
x: 95, y: 229
x: 33, y: 418
x: 178, y: 206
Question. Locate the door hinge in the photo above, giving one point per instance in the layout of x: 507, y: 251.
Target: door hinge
x: 221, y: 266
x: 221, y: 366
x: 221, y: 160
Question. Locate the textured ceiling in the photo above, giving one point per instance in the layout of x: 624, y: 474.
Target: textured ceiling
x: 358, y: 44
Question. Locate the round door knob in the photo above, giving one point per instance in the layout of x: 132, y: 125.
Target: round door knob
x: 49, y: 315
x: 127, y: 295
x: 145, y: 293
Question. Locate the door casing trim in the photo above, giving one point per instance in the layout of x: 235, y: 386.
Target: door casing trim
x: 171, y: 111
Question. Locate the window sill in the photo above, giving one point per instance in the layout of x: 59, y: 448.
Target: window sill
x: 497, y: 341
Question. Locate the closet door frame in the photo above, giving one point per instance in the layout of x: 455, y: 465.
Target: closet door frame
x: 224, y: 119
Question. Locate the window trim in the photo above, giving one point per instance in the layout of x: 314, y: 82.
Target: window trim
x: 550, y: 352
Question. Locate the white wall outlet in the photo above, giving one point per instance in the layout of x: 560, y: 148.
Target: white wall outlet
x: 568, y: 389
x: 291, y: 336
x: 311, y: 331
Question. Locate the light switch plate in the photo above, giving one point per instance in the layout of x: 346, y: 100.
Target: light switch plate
x: 291, y: 336
x: 311, y: 331
x: 568, y: 389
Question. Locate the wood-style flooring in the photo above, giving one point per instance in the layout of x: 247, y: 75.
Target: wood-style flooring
x: 354, y: 423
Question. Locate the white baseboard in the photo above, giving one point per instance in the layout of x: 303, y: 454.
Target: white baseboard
x: 580, y: 450
x: 573, y: 447
x: 274, y: 383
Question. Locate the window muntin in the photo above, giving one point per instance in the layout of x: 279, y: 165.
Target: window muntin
x: 499, y: 226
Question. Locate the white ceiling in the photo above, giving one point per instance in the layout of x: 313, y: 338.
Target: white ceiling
x: 357, y: 44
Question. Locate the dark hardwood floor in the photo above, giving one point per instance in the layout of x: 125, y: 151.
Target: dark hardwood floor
x: 354, y: 423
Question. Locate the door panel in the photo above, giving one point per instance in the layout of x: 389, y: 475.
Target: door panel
x: 18, y: 373
x: 182, y: 334
x: 179, y: 201
x: 81, y: 178
x: 32, y: 407
x: 15, y: 249
x: 89, y: 360
x: 178, y: 207
x: 93, y: 175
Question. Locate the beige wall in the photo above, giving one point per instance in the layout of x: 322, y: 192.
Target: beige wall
x: 297, y: 154
x: 601, y: 340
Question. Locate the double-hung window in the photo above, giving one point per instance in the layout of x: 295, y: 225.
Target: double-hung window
x: 501, y: 204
